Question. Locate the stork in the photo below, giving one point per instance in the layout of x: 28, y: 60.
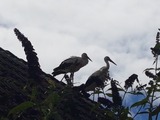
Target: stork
x: 98, y: 78
x: 107, y: 60
x: 71, y: 65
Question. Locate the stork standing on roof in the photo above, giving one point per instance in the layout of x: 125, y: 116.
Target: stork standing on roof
x: 71, y: 65
x: 98, y: 78
x: 107, y: 60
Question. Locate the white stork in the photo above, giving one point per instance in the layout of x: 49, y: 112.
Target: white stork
x: 71, y: 65
x: 97, y: 79
x: 107, y: 60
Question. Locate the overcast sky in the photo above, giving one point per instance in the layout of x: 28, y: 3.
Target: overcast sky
x: 122, y: 29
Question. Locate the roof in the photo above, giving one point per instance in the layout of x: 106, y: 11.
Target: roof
x: 16, y: 88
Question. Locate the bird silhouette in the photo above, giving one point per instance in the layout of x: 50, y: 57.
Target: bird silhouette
x: 71, y: 65
x: 98, y: 78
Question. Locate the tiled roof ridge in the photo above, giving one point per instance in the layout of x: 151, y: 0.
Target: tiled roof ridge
x: 12, y: 55
x: 14, y: 76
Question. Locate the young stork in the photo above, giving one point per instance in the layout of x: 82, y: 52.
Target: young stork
x: 71, y: 65
x: 97, y: 79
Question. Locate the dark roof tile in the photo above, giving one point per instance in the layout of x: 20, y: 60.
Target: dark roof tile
x: 14, y: 77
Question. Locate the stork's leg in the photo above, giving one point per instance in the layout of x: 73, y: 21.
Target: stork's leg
x: 63, y: 77
x: 98, y: 94
x: 98, y: 91
x: 104, y: 93
x: 71, y: 77
x: 68, y: 80
x: 93, y: 95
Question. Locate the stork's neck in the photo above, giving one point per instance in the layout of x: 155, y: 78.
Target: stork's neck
x: 107, y: 65
x: 84, y: 61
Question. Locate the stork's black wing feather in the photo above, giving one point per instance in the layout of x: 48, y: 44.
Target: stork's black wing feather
x: 67, y: 63
x: 94, y: 79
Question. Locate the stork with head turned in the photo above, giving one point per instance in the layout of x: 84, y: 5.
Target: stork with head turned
x: 98, y: 78
x: 71, y: 65
x: 107, y: 60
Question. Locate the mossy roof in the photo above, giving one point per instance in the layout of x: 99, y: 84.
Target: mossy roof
x: 14, y: 78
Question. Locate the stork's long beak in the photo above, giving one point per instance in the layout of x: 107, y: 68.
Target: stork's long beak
x: 89, y: 58
x: 112, y: 61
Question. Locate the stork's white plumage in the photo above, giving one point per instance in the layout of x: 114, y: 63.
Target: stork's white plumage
x: 98, y: 78
x: 71, y: 65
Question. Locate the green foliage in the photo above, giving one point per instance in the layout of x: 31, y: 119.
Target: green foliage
x: 2, y: 118
x: 20, y: 108
x: 151, y: 92
x: 148, y: 105
x: 143, y: 103
x: 49, y: 107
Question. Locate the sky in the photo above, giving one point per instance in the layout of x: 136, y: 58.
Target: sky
x: 124, y: 30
